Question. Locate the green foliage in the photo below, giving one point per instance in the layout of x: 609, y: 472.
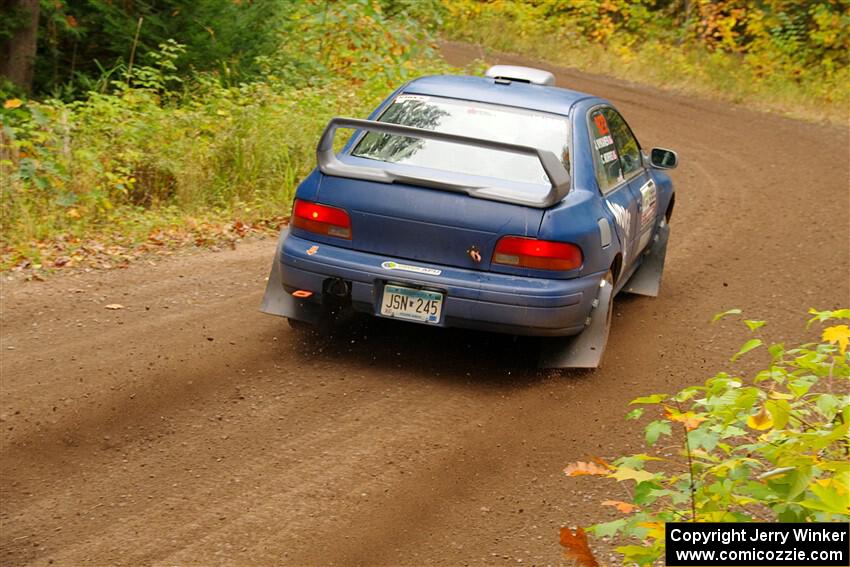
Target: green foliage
x: 150, y: 142
x: 769, y: 447
x: 237, y: 40
x: 430, y: 12
x: 352, y: 40
x: 79, y: 39
x: 775, y: 54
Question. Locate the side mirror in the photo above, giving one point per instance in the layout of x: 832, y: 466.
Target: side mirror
x: 663, y: 159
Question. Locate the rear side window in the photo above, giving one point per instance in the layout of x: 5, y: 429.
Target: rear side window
x: 615, y: 149
x: 627, y: 144
x: 608, y: 170
x: 474, y: 119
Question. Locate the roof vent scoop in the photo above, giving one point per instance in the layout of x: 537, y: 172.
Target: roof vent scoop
x: 521, y: 75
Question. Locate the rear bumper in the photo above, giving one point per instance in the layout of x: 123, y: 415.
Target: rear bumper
x: 472, y: 299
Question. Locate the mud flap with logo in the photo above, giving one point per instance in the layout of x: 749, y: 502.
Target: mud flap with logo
x: 647, y: 279
x: 277, y: 301
x: 584, y: 350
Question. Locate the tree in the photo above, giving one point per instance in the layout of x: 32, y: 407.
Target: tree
x: 18, y: 44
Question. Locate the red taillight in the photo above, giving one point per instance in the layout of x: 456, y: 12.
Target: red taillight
x: 321, y: 219
x: 537, y: 254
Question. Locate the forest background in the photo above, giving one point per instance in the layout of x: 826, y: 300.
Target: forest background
x: 131, y: 126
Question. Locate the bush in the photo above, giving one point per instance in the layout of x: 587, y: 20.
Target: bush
x: 769, y: 447
x: 151, y: 148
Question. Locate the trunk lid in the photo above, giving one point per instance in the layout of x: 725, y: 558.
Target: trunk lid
x: 426, y: 225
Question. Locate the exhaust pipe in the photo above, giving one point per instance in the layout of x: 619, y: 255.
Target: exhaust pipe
x: 338, y: 288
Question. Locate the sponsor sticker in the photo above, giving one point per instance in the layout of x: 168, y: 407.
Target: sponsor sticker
x: 601, y: 124
x: 648, y: 205
x: 407, y: 97
x: 604, y: 142
x: 409, y: 268
x: 608, y: 157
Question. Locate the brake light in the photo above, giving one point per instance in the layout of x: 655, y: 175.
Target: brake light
x: 537, y: 254
x: 321, y: 219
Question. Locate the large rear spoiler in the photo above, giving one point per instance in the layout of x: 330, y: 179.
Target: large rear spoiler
x: 329, y: 164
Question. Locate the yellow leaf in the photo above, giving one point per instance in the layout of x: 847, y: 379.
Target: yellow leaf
x: 774, y: 395
x: 13, y: 103
x: 689, y: 419
x: 761, y: 420
x: 625, y: 473
x: 623, y: 507
x: 73, y: 214
x: 839, y: 334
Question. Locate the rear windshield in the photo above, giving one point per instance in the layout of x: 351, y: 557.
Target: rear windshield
x: 473, y: 119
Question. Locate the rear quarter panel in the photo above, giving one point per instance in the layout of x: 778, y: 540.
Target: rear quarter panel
x: 576, y: 218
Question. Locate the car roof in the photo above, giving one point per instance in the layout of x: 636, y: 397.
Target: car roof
x: 482, y: 89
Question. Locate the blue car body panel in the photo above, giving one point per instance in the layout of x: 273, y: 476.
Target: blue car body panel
x: 473, y: 298
x: 432, y: 231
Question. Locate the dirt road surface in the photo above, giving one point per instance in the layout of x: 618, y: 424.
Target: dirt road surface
x: 189, y: 429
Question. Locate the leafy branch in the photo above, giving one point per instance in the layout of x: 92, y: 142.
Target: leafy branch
x: 769, y: 447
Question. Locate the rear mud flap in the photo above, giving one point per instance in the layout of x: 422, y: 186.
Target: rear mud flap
x: 584, y: 350
x: 647, y: 279
x: 277, y: 301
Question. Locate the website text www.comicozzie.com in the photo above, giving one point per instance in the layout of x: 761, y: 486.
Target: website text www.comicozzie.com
x: 688, y: 556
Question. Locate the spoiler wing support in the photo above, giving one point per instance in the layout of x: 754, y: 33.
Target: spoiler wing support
x: 329, y: 164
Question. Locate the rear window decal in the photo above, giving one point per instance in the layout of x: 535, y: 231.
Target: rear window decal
x: 406, y: 97
x: 604, y: 141
x: 608, y: 157
x: 601, y: 124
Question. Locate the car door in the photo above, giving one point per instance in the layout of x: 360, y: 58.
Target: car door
x: 617, y: 193
x: 640, y: 181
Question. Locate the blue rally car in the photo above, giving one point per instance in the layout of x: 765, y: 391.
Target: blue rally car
x: 500, y: 203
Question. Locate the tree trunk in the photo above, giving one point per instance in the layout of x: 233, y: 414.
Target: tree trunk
x: 17, y: 54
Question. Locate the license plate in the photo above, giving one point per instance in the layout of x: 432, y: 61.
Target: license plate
x: 412, y: 304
